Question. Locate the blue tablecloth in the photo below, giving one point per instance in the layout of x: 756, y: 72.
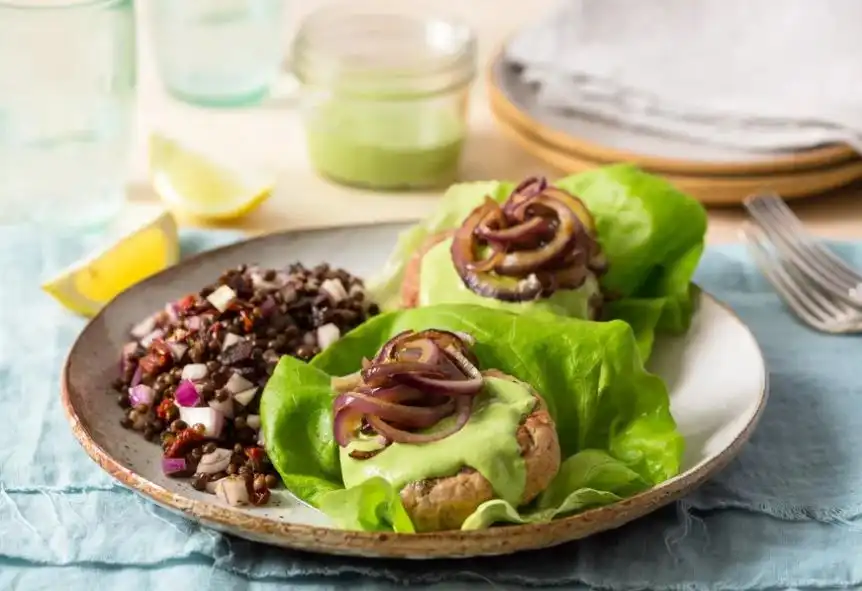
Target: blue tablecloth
x: 785, y: 514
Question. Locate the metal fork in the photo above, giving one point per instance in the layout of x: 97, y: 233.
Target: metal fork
x: 806, y: 298
x: 804, y: 251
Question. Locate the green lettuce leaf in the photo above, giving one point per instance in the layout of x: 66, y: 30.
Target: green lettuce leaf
x: 616, y: 432
x: 652, y: 234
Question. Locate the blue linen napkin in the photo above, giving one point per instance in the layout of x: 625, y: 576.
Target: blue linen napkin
x: 786, y: 514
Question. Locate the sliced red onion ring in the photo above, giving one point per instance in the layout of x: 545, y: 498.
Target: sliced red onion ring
x: 376, y: 375
x: 346, y: 383
x: 416, y: 380
x: 511, y: 252
x: 414, y: 417
x: 463, y: 407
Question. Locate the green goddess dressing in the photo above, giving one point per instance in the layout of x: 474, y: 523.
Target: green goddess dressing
x: 486, y: 443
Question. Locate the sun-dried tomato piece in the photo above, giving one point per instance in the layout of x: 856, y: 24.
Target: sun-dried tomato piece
x: 186, y: 439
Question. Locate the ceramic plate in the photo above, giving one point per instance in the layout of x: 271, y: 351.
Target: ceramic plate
x: 716, y: 375
x: 607, y: 142
x: 713, y: 190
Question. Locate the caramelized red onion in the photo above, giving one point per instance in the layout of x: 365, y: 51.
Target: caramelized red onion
x: 414, y: 382
x: 540, y: 240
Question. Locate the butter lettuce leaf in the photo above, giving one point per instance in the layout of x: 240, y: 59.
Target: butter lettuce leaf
x: 652, y: 234
x: 613, y: 418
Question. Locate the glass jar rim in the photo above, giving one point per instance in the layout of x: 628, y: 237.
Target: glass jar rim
x: 356, y: 49
x: 56, y: 5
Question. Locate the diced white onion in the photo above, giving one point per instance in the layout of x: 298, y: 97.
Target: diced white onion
x: 335, y: 289
x: 210, y: 418
x: 195, y: 371
x: 236, y: 384
x: 232, y: 490
x: 216, y: 461
x: 245, y: 397
x: 230, y: 340
x: 253, y: 421
x: 326, y: 335
x: 222, y: 298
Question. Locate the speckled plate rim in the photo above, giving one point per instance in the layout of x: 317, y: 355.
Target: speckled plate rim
x: 500, y: 98
x: 450, y: 544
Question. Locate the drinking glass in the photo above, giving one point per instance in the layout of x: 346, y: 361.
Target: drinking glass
x: 67, y: 88
x: 218, y: 53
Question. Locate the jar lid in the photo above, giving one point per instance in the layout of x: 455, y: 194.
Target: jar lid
x: 383, y: 53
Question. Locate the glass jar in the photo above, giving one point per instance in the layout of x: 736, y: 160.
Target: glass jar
x: 384, y: 95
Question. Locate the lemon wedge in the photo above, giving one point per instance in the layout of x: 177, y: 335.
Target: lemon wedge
x: 144, y: 248
x: 192, y: 184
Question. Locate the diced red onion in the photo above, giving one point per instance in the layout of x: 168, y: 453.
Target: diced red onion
x: 210, y: 418
x: 327, y: 334
x: 223, y: 406
x: 174, y: 466
x: 245, y: 398
x: 253, y: 421
x: 230, y: 339
x: 148, y: 339
x: 172, y: 311
x: 141, y: 394
x: 222, y: 298
x: 195, y: 372
x: 186, y: 394
x: 268, y: 306
x: 236, y: 384
x: 144, y: 327
x: 233, y: 491
x: 194, y: 323
x: 178, y: 350
x: 137, y: 376
x: 335, y: 289
x: 214, y: 462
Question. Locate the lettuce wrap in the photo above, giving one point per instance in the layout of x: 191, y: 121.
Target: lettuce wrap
x: 615, y: 429
x: 651, y: 233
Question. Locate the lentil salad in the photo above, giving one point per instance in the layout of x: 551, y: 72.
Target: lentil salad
x: 191, y: 377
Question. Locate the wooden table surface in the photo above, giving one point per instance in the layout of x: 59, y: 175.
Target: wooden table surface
x: 269, y: 137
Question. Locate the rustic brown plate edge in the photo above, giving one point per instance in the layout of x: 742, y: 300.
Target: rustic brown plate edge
x: 803, y: 160
x: 450, y: 544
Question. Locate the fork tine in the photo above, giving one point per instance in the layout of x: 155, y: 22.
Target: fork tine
x: 784, y: 216
x: 785, y: 288
x: 791, y: 239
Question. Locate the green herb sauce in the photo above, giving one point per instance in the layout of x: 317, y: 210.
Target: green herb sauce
x: 385, y: 144
x: 440, y: 284
x: 486, y: 443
